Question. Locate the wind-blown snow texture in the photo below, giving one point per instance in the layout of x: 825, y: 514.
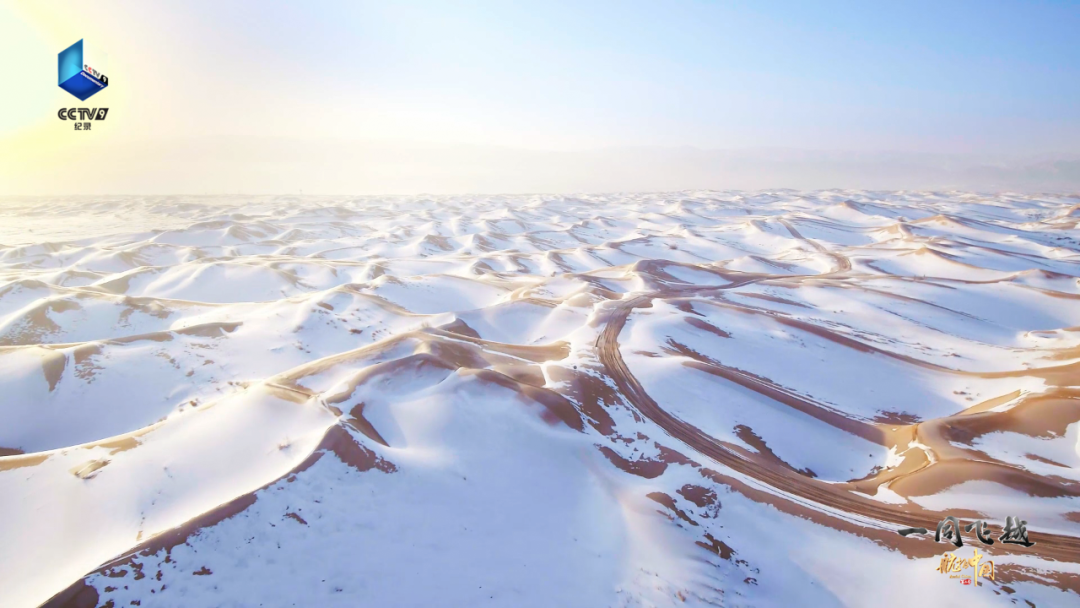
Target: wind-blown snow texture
x: 696, y: 398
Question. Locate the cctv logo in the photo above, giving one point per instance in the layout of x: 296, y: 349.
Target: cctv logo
x: 80, y: 73
x: 82, y: 113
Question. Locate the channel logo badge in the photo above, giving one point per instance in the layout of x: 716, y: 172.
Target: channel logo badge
x: 80, y: 73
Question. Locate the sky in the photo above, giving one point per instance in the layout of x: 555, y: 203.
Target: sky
x: 387, y: 97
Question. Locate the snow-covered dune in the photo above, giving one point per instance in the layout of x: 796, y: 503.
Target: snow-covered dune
x: 695, y: 398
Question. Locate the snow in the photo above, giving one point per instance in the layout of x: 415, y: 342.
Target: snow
x: 415, y: 401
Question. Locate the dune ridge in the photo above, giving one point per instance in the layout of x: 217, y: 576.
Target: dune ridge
x: 702, y: 398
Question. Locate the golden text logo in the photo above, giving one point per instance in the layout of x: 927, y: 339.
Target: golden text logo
x: 967, y: 570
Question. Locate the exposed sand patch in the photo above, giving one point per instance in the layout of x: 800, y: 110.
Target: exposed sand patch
x: 649, y: 398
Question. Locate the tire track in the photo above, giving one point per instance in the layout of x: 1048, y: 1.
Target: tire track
x: 819, y: 496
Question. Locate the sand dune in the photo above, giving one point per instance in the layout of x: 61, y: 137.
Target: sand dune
x: 696, y: 398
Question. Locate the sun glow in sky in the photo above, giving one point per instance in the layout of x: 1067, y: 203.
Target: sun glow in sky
x: 228, y: 94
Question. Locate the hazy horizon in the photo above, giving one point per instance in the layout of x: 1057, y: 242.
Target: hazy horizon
x: 342, y: 167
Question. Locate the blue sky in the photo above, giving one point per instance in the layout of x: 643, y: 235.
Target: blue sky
x: 964, y: 76
x: 974, y: 78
